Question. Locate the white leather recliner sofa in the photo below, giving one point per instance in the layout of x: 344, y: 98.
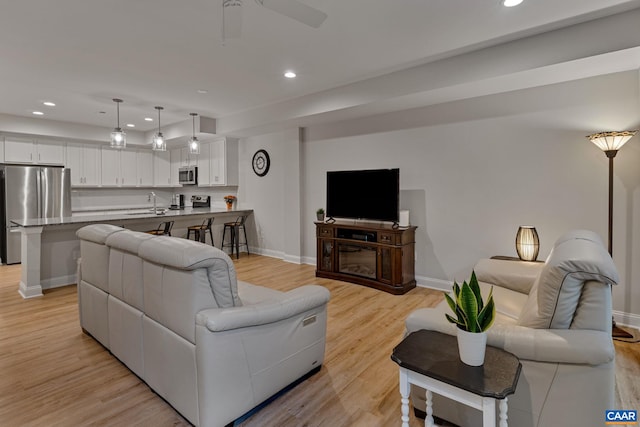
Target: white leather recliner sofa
x: 173, y: 312
x: 556, y: 317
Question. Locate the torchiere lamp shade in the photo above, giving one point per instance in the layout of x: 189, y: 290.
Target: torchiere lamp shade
x: 527, y: 243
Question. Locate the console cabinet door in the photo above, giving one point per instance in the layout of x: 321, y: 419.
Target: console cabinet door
x: 325, y: 255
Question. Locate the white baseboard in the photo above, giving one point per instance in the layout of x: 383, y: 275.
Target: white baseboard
x: 622, y: 318
x: 57, y: 282
x: 627, y: 319
x: 437, y: 284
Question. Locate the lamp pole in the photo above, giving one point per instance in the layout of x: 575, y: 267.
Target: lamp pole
x: 610, y: 143
x: 610, y: 154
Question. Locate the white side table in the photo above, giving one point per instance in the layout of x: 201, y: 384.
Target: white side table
x: 430, y: 360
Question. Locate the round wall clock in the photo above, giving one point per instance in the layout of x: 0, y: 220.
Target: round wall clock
x: 261, y: 162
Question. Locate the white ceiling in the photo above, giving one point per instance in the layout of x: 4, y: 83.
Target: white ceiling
x: 80, y: 54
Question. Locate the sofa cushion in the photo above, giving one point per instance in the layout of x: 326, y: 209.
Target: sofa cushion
x: 125, y: 267
x: 577, y: 257
x: 97, y: 233
x: 183, y: 254
x: 127, y: 240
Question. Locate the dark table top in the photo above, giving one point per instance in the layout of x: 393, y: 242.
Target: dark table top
x: 435, y: 355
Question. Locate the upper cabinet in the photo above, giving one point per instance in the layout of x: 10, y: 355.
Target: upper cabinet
x: 33, y: 152
x: 126, y: 168
x: 85, y: 165
x: 162, y: 169
x: 218, y: 163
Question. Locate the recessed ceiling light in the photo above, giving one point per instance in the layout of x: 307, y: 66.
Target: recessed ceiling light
x: 148, y: 119
x: 290, y: 74
x: 202, y: 91
x: 49, y: 104
x: 38, y: 113
x: 130, y: 125
x: 511, y: 3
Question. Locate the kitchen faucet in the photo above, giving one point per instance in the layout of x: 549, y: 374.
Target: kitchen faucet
x: 152, y: 194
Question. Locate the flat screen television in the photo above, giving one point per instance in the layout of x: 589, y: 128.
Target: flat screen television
x: 364, y: 194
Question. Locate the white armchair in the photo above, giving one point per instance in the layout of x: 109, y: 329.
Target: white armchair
x: 556, y: 317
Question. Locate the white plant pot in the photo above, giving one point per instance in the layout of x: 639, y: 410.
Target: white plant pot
x: 471, y: 346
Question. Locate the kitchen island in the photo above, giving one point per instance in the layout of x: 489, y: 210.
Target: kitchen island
x: 50, y: 248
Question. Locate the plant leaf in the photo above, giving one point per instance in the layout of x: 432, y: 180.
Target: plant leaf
x: 452, y: 320
x: 469, y: 306
x: 452, y: 304
x: 488, y: 313
x: 475, y: 287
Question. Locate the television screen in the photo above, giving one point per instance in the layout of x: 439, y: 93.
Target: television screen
x: 364, y: 194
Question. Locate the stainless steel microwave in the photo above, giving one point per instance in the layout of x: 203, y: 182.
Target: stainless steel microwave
x: 188, y: 175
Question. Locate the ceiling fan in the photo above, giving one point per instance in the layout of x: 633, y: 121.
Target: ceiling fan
x: 294, y: 9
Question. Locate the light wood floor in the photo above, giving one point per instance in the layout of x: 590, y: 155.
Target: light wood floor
x: 51, y: 374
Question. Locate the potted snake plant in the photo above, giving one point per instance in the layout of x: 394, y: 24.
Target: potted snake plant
x: 320, y: 214
x: 473, y: 318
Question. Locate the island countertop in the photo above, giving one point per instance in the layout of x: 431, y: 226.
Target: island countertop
x: 124, y: 215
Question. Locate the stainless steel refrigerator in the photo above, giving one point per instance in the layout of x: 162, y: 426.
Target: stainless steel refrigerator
x: 30, y: 192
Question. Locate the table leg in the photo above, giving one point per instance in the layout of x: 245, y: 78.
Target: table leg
x: 404, y: 392
x: 428, y: 420
x: 503, y: 412
x: 488, y: 412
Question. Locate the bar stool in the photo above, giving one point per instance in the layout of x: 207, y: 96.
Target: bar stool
x: 164, y: 228
x: 234, y: 232
x: 200, y: 231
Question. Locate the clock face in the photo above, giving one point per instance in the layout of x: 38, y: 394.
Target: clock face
x: 261, y: 162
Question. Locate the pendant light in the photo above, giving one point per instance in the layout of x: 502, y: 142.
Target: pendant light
x: 159, y: 144
x: 118, y: 136
x: 194, y: 144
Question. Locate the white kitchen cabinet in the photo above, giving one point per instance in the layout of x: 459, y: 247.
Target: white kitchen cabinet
x: 187, y: 159
x: 162, y: 169
x: 145, y: 168
x: 224, y: 162
x: 176, y: 163
x: 204, y: 164
x: 110, y: 162
x: 126, y: 168
x: 85, y: 165
x: 32, y: 152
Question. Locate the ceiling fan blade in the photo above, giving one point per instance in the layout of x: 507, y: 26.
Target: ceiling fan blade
x: 296, y: 10
x: 231, y: 19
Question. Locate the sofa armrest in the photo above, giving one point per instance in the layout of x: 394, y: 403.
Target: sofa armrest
x: 572, y: 346
x: 285, y: 306
x: 516, y: 275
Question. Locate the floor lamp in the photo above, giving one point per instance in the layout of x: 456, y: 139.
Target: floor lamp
x: 610, y: 143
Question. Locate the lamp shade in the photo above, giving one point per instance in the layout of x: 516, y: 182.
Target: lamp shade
x: 159, y: 143
x: 527, y: 243
x: 611, y: 141
x: 193, y: 143
x: 118, y: 136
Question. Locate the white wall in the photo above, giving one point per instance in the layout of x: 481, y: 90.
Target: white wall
x: 276, y: 196
x: 472, y: 171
